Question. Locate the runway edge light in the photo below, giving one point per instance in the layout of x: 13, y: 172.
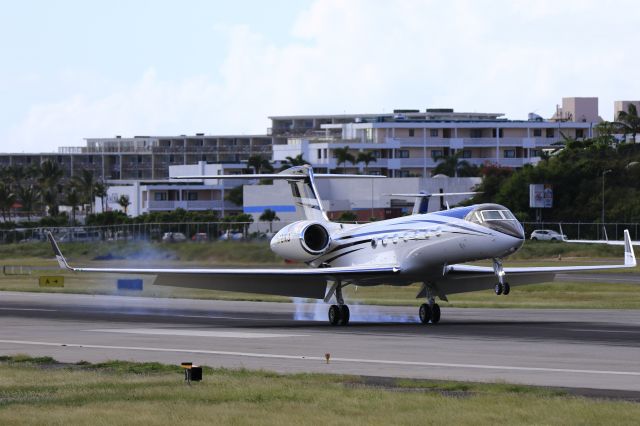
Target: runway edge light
x: 192, y: 373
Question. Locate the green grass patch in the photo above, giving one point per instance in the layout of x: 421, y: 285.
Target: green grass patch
x: 106, y: 394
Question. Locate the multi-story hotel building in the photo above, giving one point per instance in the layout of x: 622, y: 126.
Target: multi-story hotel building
x: 410, y: 143
x: 406, y: 143
x: 147, y: 157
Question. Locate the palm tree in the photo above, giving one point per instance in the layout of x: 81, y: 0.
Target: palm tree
x: 605, y: 131
x: 629, y: 121
x: 124, y: 202
x: 258, y: 164
x: 269, y: 216
x: 343, y: 155
x: 29, y: 197
x: 366, y: 157
x: 100, y: 190
x: 452, y: 166
x: 85, y: 183
x: 7, y: 200
x: 73, y: 200
x: 50, y: 174
x: 16, y: 175
x: 288, y: 162
x: 49, y: 179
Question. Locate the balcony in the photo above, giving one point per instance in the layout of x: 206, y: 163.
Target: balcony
x: 191, y: 205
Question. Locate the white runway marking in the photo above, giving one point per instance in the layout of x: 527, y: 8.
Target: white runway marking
x: 28, y: 309
x: 334, y: 360
x: 196, y: 333
x: 603, y: 331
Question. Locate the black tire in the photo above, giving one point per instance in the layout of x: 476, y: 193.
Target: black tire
x: 507, y: 289
x: 425, y: 313
x: 344, y: 315
x: 554, y: 239
x: 498, y: 289
x: 534, y: 239
x: 334, y: 315
x: 435, y: 313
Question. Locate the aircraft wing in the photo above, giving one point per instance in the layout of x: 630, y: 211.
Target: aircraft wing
x: 293, y: 282
x: 463, y: 278
x: 629, y: 262
x: 608, y: 242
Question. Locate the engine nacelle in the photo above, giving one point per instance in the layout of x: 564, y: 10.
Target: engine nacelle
x: 303, y: 241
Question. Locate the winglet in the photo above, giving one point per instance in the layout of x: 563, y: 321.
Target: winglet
x: 56, y: 250
x: 629, y: 255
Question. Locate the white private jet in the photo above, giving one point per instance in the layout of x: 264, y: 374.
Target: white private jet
x: 429, y: 248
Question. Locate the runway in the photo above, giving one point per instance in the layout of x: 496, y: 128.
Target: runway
x: 597, y: 349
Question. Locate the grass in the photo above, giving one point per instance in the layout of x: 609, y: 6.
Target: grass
x: 231, y: 252
x: 549, y: 295
x: 154, y: 394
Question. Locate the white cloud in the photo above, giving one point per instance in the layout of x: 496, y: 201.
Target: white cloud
x: 370, y: 56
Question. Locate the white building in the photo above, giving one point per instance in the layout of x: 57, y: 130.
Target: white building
x: 409, y: 143
x: 148, y: 196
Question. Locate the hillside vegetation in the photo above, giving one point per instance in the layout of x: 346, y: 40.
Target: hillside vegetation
x: 576, y: 175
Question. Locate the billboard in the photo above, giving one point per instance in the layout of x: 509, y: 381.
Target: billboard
x: 540, y: 196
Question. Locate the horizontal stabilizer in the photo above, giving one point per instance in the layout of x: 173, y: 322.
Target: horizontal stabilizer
x: 287, y: 176
x: 437, y: 194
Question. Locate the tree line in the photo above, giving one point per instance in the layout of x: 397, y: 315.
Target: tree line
x: 576, y: 173
x: 40, y: 189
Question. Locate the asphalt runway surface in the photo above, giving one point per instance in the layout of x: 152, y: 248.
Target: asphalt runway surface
x: 598, y: 349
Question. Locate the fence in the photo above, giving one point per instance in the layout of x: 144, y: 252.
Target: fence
x: 197, y: 231
x: 260, y: 230
x: 586, y: 231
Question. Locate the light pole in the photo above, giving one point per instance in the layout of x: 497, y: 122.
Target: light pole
x: 604, y: 172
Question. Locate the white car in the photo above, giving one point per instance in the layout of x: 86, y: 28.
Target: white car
x: 547, y: 235
x: 173, y: 237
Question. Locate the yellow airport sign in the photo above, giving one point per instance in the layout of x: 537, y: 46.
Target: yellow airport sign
x: 51, y: 281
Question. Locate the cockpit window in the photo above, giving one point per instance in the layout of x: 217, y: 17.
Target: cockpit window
x: 491, y: 215
x: 496, y: 217
x: 508, y: 215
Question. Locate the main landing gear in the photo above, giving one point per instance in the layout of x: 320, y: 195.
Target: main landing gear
x: 430, y: 311
x: 502, y: 287
x: 338, y: 314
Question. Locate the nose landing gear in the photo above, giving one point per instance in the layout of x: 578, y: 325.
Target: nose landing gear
x: 430, y: 311
x: 501, y: 287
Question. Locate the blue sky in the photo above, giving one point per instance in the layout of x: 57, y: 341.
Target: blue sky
x: 74, y: 69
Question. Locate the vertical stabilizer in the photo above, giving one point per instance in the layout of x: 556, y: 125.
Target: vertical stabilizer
x: 421, y: 204
x: 305, y: 194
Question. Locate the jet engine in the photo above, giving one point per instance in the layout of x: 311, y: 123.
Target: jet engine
x: 304, y: 241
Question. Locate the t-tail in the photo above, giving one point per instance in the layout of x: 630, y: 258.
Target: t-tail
x: 421, y: 204
x: 305, y: 193
x: 303, y: 187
